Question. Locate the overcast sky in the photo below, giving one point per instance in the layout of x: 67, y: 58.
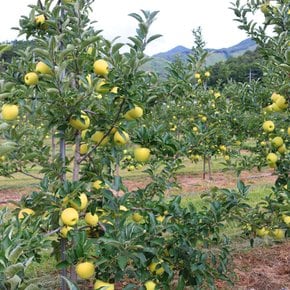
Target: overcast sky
x: 175, y: 21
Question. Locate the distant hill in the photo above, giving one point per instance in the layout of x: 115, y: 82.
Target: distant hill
x: 160, y: 60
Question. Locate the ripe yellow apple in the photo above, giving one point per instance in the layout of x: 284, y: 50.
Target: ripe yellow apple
x: 268, y: 126
x: 114, y: 90
x: 160, y: 218
x: 85, y: 270
x: 97, y: 184
x: 156, y: 268
x: 69, y: 216
x: 99, y: 284
x: 278, y: 234
x: 195, y: 129
x: 204, y: 119
x: 43, y: 68
x: 101, y: 87
x: 286, y: 219
x: 84, y: 148
x: 9, y: 112
x: 31, y: 79
x: 274, y: 97
x: 98, y: 136
x: 263, y: 143
x: 207, y: 74
x: 150, y: 285
x: 121, y: 138
x: 282, y: 149
x: 84, y: 202
x: 223, y: 148
x: 39, y: 19
x: 134, y: 113
x: 25, y: 211
x: 81, y: 123
x: 277, y: 141
x: 64, y: 231
x: 137, y: 217
x: 275, y: 108
x: 141, y: 154
x: 197, y: 75
x: 91, y: 219
x: 101, y: 67
x: 262, y: 232
x: 272, y: 158
x: 227, y: 158
x: 281, y: 102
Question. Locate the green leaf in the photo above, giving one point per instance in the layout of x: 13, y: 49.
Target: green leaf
x: 122, y: 262
x: 70, y: 284
x: 12, y: 270
x: 15, y: 254
x: 32, y: 287
x: 153, y: 37
x: 14, y: 282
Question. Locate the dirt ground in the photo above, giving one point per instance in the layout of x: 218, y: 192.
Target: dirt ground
x: 260, y: 268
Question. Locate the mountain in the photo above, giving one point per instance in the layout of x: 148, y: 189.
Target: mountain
x: 160, y: 60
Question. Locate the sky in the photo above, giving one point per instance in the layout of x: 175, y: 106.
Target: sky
x: 175, y: 21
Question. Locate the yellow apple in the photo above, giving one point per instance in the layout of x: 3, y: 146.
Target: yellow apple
x: 101, y: 67
x: 25, y: 211
x: 278, y: 234
x: 207, y: 74
x: 134, y: 113
x: 156, y: 268
x: 197, y: 75
x: 64, y: 231
x: 9, y: 112
x: 103, y: 285
x: 272, y: 158
x: 203, y: 119
x: 262, y: 232
x: 141, y: 154
x: 223, y: 148
x: 281, y: 102
x: 160, y: 218
x: 101, y: 87
x: 150, y: 285
x: 91, y: 219
x: 277, y: 141
x: 282, y: 149
x: 137, y: 217
x: 80, y: 123
x: 43, y: 68
x: 84, y: 202
x: 31, y: 79
x: 85, y: 270
x: 39, y: 19
x: 84, y: 148
x: 268, y: 126
x: 98, y: 136
x: 286, y: 219
x: 69, y: 216
x: 121, y: 138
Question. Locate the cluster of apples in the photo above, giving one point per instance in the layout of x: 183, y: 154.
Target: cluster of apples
x: 277, y: 143
x: 99, y: 137
x: 279, y: 103
x: 32, y: 79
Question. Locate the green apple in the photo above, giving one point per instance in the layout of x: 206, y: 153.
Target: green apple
x: 268, y: 126
x: 85, y: 270
x: 31, y: 79
x: 69, y: 216
x: 101, y: 67
x: 43, y: 68
x: 141, y: 154
x: 9, y: 112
